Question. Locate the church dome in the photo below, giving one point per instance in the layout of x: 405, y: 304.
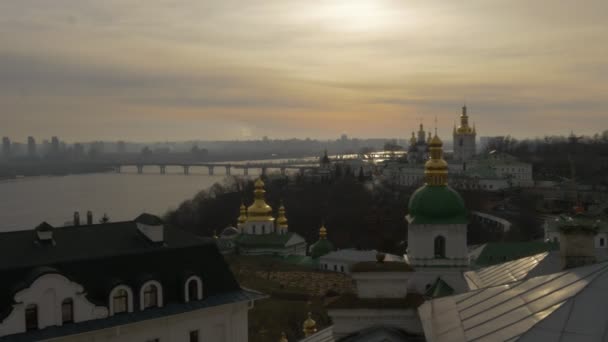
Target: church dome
x: 437, y: 204
x: 321, y: 247
x: 259, y: 210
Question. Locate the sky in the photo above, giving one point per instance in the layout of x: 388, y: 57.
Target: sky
x: 143, y: 70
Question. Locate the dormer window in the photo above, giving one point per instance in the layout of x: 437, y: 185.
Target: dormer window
x: 31, y: 317
x: 121, y: 300
x: 193, y: 289
x: 151, y: 295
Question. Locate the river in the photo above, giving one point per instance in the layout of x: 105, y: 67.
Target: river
x: 26, y: 202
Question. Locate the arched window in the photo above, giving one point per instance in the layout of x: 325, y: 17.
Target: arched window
x: 602, y: 242
x: 263, y: 229
x: 440, y: 247
x: 193, y: 289
x: 253, y: 229
x: 121, y: 300
x: 31, y: 317
x: 67, y: 311
x: 151, y: 295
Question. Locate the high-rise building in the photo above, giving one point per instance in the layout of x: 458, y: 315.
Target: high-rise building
x: 31, y: 146
x: 54, y: 145
x: 6, y: 147
x: 464, y: 138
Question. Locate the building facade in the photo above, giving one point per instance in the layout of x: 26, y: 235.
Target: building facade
x: 126, y: 281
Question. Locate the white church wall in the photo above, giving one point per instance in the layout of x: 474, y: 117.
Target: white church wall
x: 48, y: 292
x: 381, y: 284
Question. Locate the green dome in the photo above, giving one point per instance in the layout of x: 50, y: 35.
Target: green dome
x: 320, y: 248
x: 437, y: 205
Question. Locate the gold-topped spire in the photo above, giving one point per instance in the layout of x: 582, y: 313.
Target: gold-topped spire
x: 323, y: 232
x: 436, y: 168
x: 259, y: 210
x: 243, y: 217
x: 413, y: 139
x: 464, y: 127
x: 282, y: 223
x: 309, y: 326
x: 428, y: 140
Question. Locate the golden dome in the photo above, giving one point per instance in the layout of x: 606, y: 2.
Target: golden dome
x: 309, y: 326
x: 243, y: 216
x: 436, y: 168
x: 259, y: 210
x: 323, y: 232
x: 282, y: 219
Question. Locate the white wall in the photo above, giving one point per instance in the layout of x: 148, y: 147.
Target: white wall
x: 421, y: 242
x: 226, y: 323
x: 48, y: 292
x: 381, y: 284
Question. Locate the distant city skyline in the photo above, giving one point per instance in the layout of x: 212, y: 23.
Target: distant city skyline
x: 202, y: 70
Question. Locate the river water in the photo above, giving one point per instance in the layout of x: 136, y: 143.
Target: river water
x: 26, y: 202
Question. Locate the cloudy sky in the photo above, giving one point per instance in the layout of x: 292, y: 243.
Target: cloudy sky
x: 228, y: 69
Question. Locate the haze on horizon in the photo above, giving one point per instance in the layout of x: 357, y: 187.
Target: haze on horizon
x: 180, y: 70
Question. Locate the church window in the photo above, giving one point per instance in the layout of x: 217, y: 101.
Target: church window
x: 263, y: 229
x: 194, y: 289
x: 67, y: 311
x: 342, y: 269
x: 335, y: 267
x: 121, y: 300
x: 150, y: 296
x: 31, y: 317
x: 440, y: 247
x: 602, y: 242
x: 253, y: 229
x: 461, y: 142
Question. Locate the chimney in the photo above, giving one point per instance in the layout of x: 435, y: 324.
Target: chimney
x: 76, y: 218
x: 89, y: 217
x: 152, y: 227
x: 44, y: 233
x: 577, y: 243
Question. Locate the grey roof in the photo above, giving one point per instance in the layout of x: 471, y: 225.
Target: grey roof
x: 565, y: 306
x: 167, y: 310
x: 381, y: 334
x: 149, y: 219
x: 520, y: 269
x: 354, y: 255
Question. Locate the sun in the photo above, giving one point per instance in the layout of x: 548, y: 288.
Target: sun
x: 354, y: 15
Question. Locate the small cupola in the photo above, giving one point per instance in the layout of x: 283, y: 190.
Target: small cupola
x: 151, y: 226
x: 44, y: 233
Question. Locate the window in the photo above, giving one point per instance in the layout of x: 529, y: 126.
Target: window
x: 440, y: 247
x: 193, y: 288
x: 253, y: 229
x: 120, y: 301
x: 31, y: 317
x: 150, y: 296
x: 602, y: 242
x: 325, y: 266
x: 342, y: 269
x: 263, y: 229
x: 194, y: 336
x: 67, y: 311
x: 335, y: 267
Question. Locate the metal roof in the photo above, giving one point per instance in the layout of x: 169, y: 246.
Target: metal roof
x: 565, y: 306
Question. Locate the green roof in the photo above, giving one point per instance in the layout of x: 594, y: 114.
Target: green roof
x: 439, y: 289
x: 499, y: 252
x: 321, y: 248
x: 264, y: 240
x: 437, y: 205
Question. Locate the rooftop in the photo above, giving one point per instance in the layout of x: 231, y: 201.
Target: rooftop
x: 564, y: 306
